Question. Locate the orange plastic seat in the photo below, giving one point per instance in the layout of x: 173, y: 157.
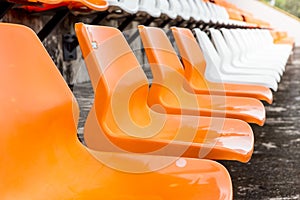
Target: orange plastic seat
x: 121, y: 120
x: 234, y: 14
x: 195, y: 66
x: 281, y: 37
x: 83, y: 5
x: 41, y: 157
x: 168, y: 73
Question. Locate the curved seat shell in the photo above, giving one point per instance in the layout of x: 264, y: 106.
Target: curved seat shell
x: 215, y: 74
x: 98, y: 5
x: 121, y: 120
x: 168, y: 73
x: 41, y: 157
x: 195, y: 67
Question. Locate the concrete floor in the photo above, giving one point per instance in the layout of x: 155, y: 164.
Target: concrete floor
x: 274, y: 171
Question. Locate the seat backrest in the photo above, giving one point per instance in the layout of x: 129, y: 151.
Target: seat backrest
x: 99, y: 5
x: 185, y: 10
x: 212, y: 10
x: 167, y: 9
x: 191, y: 54
x: 267, y: 36
x: 129, y: 6
x: 208, y: 49
x: 261, y: 39
x: 245, y: 38
x: 160, y: 52
x: 150, y: 7
x: 206, y: 10
x: 223, y: 14
x: 239, y: 40
x: 201, y: 11
x: 231, y: 43
x: 221, y: 46
x: 189, y: 49
x: 112, y: 66
x: 195, y: 12
x: 254, y: 39
x: 37, y: 107
x: 176, y: 6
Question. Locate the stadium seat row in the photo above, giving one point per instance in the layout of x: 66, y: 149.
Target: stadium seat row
x: 184, y: 116
x: 143, y: 141
x: 193, y: 11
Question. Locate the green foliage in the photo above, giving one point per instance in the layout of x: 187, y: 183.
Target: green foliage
x: 290, y: 6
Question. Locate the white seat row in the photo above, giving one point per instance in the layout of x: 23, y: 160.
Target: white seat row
x: 187, y: 10
x: 246, y: 56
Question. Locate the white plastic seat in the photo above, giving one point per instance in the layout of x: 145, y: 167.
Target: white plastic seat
x: 129, y: 6
x: 202, y: 11
x: 213, y: 17
x: 207, y: 12
x: 150, y: 7
x: 176, y: 6
x: 219, y: 14
x: 226, y: 58
x: 213, y: 70
x: 266, y: 37
x: 224, y: 16
x: 185, y: 11
x: 239, y: 58
x: 258, y: 52
x: 195, y: 12
x: 250, y: 41
x: 167, y: 9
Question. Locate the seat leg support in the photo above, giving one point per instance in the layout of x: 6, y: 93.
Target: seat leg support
x: 126, y: 22
x: 136, y: 33
x: 99, y: 18
x: 5, y: 7
x: 57, y: 18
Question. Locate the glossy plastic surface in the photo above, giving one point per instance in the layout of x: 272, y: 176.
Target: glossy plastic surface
x: 121, y: 120
x: 150, y: 7
x: 99, y: 5
x: 241, y: 52
x: 129, y: 6
x: 41, y: 157
x: 186, y: 10
x: 195, y: 66
x: 201, y: 11
x: 276, y: 51
x: 214, y: 73
x: 177, y: 6
x: 167, y: 9
x: 165, y: 66
x: 228, y: 67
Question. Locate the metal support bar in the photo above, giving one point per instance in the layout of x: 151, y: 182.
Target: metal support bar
x: 164, y: 23
x: 197, y: 25
x: 99, y: 18
x: 191, y: 24
x: 176, y: 23
x: 136, y: 33
x: 4, y: 8
x: 125, y: 23
x: 70, y: 43
x: 181, y: 24
x: 57, y: 18
x: 170, y: 35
